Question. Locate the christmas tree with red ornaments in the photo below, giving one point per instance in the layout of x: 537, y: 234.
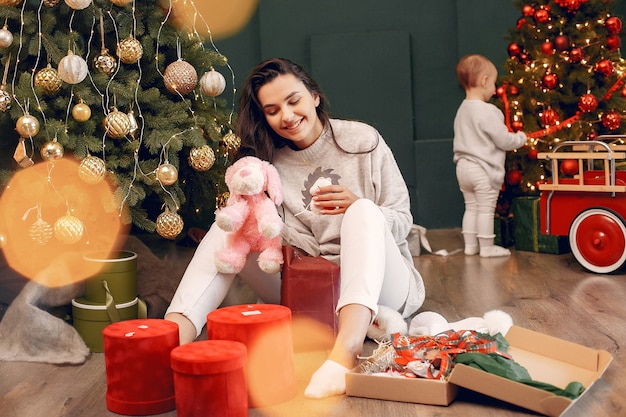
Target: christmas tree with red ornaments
x: 563, y: 81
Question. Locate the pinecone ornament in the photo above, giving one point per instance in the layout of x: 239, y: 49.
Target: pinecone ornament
x: 40, y: 231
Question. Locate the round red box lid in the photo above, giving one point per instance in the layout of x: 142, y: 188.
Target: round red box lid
x: 208, y: 357
x: 140, y: 328
x: 250, y: 313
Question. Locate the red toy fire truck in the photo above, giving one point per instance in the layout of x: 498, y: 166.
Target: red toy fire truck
x: 590, y: 206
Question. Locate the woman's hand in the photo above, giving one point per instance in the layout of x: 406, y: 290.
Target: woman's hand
x: 334, y: 199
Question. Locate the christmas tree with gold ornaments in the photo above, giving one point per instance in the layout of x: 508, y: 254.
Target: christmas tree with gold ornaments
x: 137, y: 100
x: 563, y: 81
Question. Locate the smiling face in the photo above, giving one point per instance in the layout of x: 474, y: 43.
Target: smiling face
x: 290, y: 110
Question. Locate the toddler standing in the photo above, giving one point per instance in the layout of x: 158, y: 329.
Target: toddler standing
x: 481, y: 140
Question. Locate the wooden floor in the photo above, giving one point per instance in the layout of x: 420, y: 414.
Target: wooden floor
x: 546, y: 293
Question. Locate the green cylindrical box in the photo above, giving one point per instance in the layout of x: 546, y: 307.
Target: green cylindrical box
x: 119, y: 270
x: 91, y: 318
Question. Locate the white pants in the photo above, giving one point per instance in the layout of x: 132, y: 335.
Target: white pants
x: 373, y: 271
x: 480, y: 199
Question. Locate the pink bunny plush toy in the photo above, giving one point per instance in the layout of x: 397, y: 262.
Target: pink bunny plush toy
x: 250, y: 216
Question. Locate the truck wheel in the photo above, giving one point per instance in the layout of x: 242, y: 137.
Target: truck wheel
x: 597, y: 238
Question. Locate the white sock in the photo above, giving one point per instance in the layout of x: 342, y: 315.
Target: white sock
x: 471, y: 249
x: 328, y: 380
x: 494, y: 251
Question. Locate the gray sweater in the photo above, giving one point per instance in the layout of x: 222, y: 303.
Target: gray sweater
x: 373, y: 175
x: 481, y: 136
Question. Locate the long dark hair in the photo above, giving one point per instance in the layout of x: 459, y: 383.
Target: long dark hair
x: 257, y: 137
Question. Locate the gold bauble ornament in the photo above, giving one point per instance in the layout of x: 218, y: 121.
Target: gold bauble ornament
x: 231, y: 141
x: 48, y: 80
x: 105, y: 62
x: 72, y: 68
x: 51, y: 151
x: 121, y: 2
x: 40, y: 231
x: 10, y: 2
x: 167, y: 174
x: 51, y: 3
x: 169, y: 225
x: 116, y: 124
x: 221, y: 199
x: 81, y: 112
x: 68, y: 229
x: 5, y: 99
x: 202, y: 158
x: 6, y: 37
x: 130, y: 50
x: 78, y: 4
x: 180, y: 77
x: 92, y: 169
x: 27, y: 126
x: 212, y: 83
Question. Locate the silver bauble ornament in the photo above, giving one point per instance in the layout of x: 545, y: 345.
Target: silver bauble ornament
x: 167, y: 174
x: 27, y: 126
x: 212, y: 83
x: 51, y: 151
x: 6, y: 37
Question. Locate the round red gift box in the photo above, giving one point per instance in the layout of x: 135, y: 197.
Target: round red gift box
x: 209, y: 379
x: 265, y: 329
x: 138, y: 371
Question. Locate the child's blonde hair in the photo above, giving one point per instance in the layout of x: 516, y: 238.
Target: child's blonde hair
x: 470, y: 68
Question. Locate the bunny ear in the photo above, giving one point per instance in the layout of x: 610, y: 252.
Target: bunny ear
x: 274, y: 186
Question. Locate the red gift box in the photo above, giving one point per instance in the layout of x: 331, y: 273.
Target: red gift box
x: 209, y: 379
x: 137, y: 362
x: 310, y: 286
x: 265, y: 329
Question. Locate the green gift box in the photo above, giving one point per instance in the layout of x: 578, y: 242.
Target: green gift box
x: 118, y: 274
x: 90, y: 319
x: 504, y: 231
x: 527, y: 230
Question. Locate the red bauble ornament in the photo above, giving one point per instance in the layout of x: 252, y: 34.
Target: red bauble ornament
x: 569, y: 167
x: 501, y: 91
x: 550, y: 81
x: 513, y: 90
x: 520, y: 23
x: 587, y: 103
x: 513, y: 177
x: 613, y: 42
x: 592, y: 135
x: 562, y: 43
x: 549, y: 117
x: 524, y: 58
x: 576, y: 55
x: 547, y: 48
x: 517, y: 125
x: 541, y: 16
x: 532, y: 154
x: 613, y: 25
x: 611, y: 120
x: 528, y: 10
x: 514, y: 49
x: 624, y: 92
x: 604, y: 67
